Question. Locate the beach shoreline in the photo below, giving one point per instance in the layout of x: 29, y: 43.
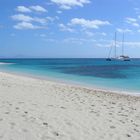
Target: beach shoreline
x: 38, y: 109
x: 75, y: 84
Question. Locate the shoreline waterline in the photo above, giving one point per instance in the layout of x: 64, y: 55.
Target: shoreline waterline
x: 74, y: 84
x: 122, y: 77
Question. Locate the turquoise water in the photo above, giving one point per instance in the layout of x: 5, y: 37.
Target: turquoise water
x: 116, y: 75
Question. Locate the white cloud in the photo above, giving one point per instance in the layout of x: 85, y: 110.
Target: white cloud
x: 22, y: 17
x: 102, y: 45
x: 137, y: 10
x: 23, y: 9
x: 68, y: 4
x: 66, y: 7
x: 65, y: 28
x: 27, y: 22
x: 104, y: 34
x: 135, y: 24
x: 132, y: 21
x: 43, y: 35
x: 138, y: 31
x: 93, y: 24
x: 40, y: 20
x: 88, y: 33
x: 25, y: 18
x: 26, y: 25
x: 51, y: 19
x: 124, y: 30
x: 129, y: 44
x: 132, y: 44
x: 78, y: 41
x: 51, y: 40
x: 59, y: 12
x: 119, y: 44
x: 38, y: 8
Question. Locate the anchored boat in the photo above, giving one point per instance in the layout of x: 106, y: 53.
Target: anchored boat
x: 122, y: 57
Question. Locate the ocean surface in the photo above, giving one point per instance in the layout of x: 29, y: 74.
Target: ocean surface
x: 99, y: 73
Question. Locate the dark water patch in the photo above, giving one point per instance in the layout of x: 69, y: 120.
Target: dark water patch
x: 112, y: 71
x: 83, y: 67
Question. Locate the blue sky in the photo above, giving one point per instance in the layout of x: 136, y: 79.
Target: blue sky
x: 68, y: 28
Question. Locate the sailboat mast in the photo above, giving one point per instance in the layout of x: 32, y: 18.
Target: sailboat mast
x: 123, y: 44
x: 115, y: 44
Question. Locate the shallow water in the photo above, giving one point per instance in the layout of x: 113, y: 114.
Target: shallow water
x: 117, y: 75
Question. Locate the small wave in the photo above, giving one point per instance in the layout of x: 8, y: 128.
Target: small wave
x: 2, y: 63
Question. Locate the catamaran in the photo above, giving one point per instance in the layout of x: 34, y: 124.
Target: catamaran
x: 122, y: 57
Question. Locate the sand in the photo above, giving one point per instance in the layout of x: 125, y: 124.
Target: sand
x: 34, y: 109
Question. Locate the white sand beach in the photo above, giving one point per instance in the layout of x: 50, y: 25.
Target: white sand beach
x: 35, y: 109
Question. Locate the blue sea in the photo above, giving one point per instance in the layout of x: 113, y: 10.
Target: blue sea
x: 112, y: 75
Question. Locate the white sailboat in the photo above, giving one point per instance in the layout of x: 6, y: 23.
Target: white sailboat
x: 111, y: 48
x: 122, y: 57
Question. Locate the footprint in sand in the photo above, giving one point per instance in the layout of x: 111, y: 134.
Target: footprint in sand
x: 136, y: 130
x: 24, y: 130
x: 122, y: 121
x: 1, y: 119
x: 10, y: 104
x: 7, y: 112
x: 17, y: 108
x: 23, y: 115
x: 55, y: 133
x: 32, y: 119
x: 1, y: 136
x: 62, y: 107
x: 20, y: 102
x: 112, y: 127
x: 12, y: 125
x: 26, y: 112
x: 45, y: 124
x: 128, y: 135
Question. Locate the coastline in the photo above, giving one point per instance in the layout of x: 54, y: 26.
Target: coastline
x: 75, y: 84
x: 38, y: 109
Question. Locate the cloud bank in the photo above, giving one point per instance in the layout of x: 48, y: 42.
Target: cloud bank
x: 68, y: 4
